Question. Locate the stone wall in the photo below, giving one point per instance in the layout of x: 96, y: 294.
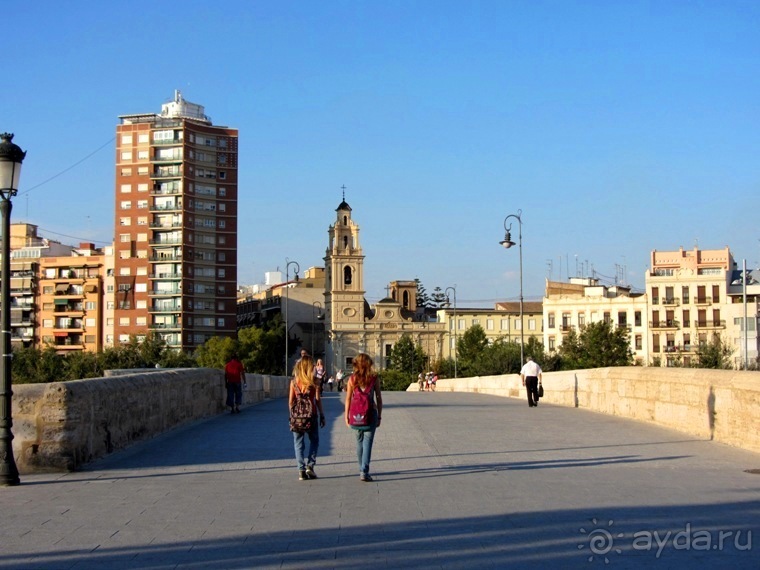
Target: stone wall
x: 723, y: 405
x: 63, y: 425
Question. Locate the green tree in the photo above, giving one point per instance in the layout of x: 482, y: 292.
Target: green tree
x: 423, y: 299
x: 598, y: 345
x: 262, y: 349
x: 215, y: 352
x: 715, y: 354
x: 152, y: 349
x: 406, y: 356
x: 438, y: 299
x: 470, y: 347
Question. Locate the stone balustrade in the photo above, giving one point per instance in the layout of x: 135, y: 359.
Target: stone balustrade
x: 63, y: 425
x: 723, y: 405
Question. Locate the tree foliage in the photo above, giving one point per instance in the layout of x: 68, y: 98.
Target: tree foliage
x: 406, y: 356
x: 714, y: 354
x: 598, y: 345
x: 423, y: 299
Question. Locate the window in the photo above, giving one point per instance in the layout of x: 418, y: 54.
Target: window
x: 142, y: 155
x: 505, y: 324
x: 222, y: 224
x: 221, y: 273
x: 109, y: 321
x: 141, y: 287
x: 126, y: 155
x: 220, y: 322
x: 124, y: 271
x: 142, y: 221
x: 142, y: 138
x: 552, y: 344
x: 222, y: 240
x: 532, y: 324
x: 518, y: 325
x: 622, y: 319
x: 655, y: 343
x: 475, y: 322
x: 637, y: 318
x: 142, y: 237
x: 124, y: 321
x: 489, y: 324
x: 126, y: 188
x: 123, y: 338
x: 142, y: 304
x: 124, y: 238
x: 222, y: 191
x: 110, y: 305
x: 638, y: 342
x: 125, y: 254
x: 221, y: 256
x: 125, y: 221
x: 142, y: 203
x: 222, y: 176
x: 141, y: 321
x: 347, y: 276
x: 143, y: 187
x: 47, y: 323
x: 126, y: 172
x: 685, y: 294
x: 125, y: 204
x: 581, y: 320
x: 89, y: 322
x: 716, y: 294
x: 550, y: 318
x: 142, y: 171
x: 655, y: 295
x: 126, y: 139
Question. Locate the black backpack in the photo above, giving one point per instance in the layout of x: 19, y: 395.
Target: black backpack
x: 301, y: 412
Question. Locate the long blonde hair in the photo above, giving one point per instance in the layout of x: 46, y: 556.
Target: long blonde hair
x: 363, y: 369
x: 304, y: 373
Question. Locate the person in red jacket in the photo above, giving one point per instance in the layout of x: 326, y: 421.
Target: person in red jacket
x: 234, y: 377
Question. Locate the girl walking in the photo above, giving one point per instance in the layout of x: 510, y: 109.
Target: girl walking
x: 303, y: 386
x: 364, y: 409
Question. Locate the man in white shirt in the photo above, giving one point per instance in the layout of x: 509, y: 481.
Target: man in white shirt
x: 531, y: 376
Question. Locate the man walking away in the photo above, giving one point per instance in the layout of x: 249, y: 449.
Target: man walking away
x: 234, y: 377
x: 531, y: 376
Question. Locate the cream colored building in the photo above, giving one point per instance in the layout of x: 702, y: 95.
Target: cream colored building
x: 582, y: 301
x: 500, y: 323
x: 689, y: 303
x: 353, y: 326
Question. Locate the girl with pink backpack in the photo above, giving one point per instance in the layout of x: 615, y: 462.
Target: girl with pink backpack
x: 364, y: 408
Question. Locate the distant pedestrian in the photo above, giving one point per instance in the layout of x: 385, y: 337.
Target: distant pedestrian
x: 330, y: 382
x: 531, y: 375
x: 234, y: 378
x: 421, y: 381
x: 305, y: 395
x: 319, y: 374
x: 364, y: 410
x: 339, y: 379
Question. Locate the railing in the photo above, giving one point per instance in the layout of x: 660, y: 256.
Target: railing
x: 166, y: 192
x: 165, y: 326
x: 175, y: 241
x: 711, y: 324
x: 168, y: 309
x: 165, y: 293
x: 165, y: 276
x: 667, y: 324
x: 165, y: 258
x: 670, y: 301
x: 702, y: 300
x: 166, y: 173
x: 164, y: 226
x: 165, y: 208
x: 566, y: 328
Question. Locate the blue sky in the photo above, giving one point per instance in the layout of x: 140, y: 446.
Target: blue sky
x: 616, y: 127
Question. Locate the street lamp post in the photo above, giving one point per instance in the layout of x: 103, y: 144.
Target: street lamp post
x: 287, y: 331
x: 11, y: 157
x: 314, y: 320
x: 454, y: 289
x: 507, y: 243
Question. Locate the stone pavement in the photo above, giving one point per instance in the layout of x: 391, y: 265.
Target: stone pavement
x: 461, y: 481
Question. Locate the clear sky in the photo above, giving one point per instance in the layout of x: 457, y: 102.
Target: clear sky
x: 617, y: 127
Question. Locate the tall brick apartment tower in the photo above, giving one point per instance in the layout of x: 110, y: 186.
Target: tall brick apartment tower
x: 175, y: 267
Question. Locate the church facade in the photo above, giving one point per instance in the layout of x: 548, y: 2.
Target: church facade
x: 353, y: 325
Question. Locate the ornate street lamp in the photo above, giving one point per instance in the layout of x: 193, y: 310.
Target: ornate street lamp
x: 507, y: 243
x: 11, y: 157
x: 287, y: 280
x: 319, y: 317
x: 454, y: 289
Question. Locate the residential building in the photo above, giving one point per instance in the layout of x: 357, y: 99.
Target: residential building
x: 500, y: 323
x: 744, y: 306
x: 175, y: 263
x: 23, y: 288
x: 71, y: 300
x: 689, y: 303
x: 581, y: 301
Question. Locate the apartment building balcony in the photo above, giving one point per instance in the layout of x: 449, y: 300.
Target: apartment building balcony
x: 702, y: 300
x: 173, y: 292
x: 566, y: 328
x: 165, y: 309
x: 158, y: 191
x: 711, y: 324
x: 166, y: 172
x: 671, y: 302
x: 166, y: 208
x: 667, y: 324
x: 168, y: 276
x: 165, y: 225
x: 165, y: 158
x: 165, y: 326
x: 164, y: 258
x: 168, y: 142
x: 23, y: 321
x: 68, y: 342
x: 166, y: 241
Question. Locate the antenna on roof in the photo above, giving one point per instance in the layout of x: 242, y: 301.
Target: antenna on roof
x: 344, y: 192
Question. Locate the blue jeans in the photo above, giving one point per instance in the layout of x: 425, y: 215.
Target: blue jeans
x: 364, y: 441
x: 234, y: 394
x: 299, y: 443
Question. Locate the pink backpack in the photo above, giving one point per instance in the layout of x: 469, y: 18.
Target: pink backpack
x: 361, y: 412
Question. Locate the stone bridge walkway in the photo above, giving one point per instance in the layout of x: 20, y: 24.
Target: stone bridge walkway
x: 461, y: 481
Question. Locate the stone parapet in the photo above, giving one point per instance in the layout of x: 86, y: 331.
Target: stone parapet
x: 723, y: 405
x: 63, y: 425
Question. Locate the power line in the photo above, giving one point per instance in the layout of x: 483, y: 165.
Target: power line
x: 69, y: 168
x: 75, y: 237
